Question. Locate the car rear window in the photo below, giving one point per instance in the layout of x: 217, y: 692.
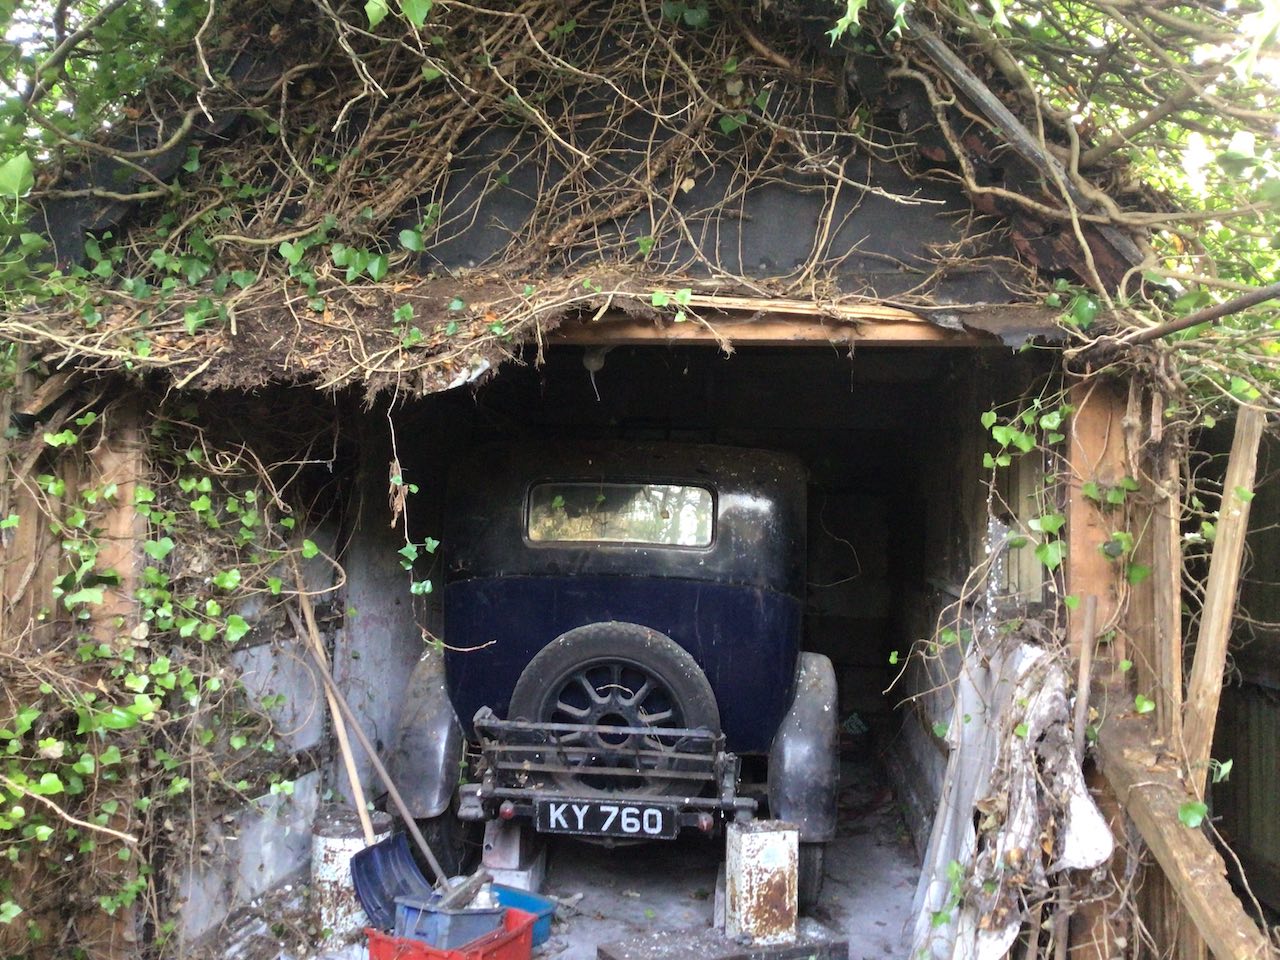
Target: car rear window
x: 658, y: 513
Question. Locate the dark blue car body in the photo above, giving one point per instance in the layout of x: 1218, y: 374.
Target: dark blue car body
x: 734, y: 604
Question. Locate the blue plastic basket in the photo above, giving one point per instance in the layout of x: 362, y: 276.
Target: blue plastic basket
x: 444, y: 929
x: 543, y: 908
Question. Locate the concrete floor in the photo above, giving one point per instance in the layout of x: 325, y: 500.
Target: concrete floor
x: 609, y: 895
x: 871, y: 874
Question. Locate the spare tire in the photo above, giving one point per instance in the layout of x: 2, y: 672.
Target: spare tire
x: 617, y: 674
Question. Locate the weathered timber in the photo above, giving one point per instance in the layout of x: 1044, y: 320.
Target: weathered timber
x: 780, y: 329
x: 1205, y: 687
x: 1096, y: 453
x: 1166, y: 587
x: 119, y: 459
x: 1151, y: 789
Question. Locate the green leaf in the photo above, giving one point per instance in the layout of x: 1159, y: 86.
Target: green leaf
x: 1021, y: 730
x: 644, y: 245
x: 309, y: 549
x: 9, y: 911
x: 376, y: 11
x: 1083, y: 310
x: 83, y: 595
x: 49, y: 783
x: 415, y: 11
x: 292, y: 252
x: 157, y: 550
x: 227, y: 579
x: 377, y: 267
x: 1137, y: 572
x: 1143, y: 704
x: 431, y: 73
x: 940, y: 730
x: 1050, y: 523
x: 236, y: 628
x: 731, y: 122
x: 412, y: 240
x: 1051, y: 553
x: 110, y: 756
x: 1192, y: 813
x: 1126, y: 666
x: 17, y: 176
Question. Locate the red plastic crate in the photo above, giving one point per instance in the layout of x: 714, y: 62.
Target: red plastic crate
x: 513, y: 942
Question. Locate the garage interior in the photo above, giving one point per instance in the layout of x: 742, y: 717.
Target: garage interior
x: 898, y: 508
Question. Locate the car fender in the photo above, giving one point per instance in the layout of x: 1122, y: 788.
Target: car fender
x: 425, y: 761
x: 804, y: 761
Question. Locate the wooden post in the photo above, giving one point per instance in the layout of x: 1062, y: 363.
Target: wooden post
x: 119, y: 458
x: 1205, y: 687
x: 1096, y: 454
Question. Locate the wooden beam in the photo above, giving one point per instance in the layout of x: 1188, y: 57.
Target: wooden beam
x: 1205, y: 687
x: 781, y: 329
x: 1152, y: 791
x: 1095, y: 454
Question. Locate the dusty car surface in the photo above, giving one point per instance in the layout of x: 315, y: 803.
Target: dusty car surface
x: 623, y: 628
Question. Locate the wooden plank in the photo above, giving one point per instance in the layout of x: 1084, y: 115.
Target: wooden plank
x: 803, y: 308
x: 1205, y: 687
x: 118, y: 458
x: 1151, y: 790
x: 1095, y: 453
x: 780, y: 330
x: 1166, y: 586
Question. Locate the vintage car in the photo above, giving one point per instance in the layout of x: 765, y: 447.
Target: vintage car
x: 623, y: 630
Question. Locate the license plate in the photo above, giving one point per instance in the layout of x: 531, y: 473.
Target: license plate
x: 639, y: 821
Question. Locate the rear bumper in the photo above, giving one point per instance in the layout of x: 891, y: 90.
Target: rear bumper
x: 523, y: 763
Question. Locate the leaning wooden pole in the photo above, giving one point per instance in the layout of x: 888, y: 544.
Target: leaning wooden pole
x: 1205, y: 687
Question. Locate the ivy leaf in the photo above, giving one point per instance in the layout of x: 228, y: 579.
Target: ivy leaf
x: 157, y: 550
x: 415, y: 11
x: 17, y: 176
x: 236, y: 628
x: 1137, y: 572
x: 227, y: 579
x: 412, y: 240
x: 1192, y: 813
x: 9, y: 911
x: 1143, y: 704
x: 309, y: 549
x: 376, y: 11
x: 292, y: 252
x: 1051, y: 554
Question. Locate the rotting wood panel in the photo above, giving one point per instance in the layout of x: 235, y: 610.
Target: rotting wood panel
x: 1150, y: 787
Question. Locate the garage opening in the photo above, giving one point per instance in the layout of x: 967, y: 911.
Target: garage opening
x: 898, y: 508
